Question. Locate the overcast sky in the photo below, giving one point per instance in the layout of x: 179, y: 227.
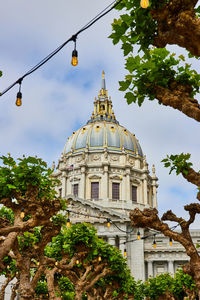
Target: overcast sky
x: 58, y: 98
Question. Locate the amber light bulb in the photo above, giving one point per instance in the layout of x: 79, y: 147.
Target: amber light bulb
x: 19, y: 99
x: 108, y: 223
x: 170, y: 242
x: 74, y: 61
x: 99, y: 258
x: 144, y: 3
x: 138, y: 235
x: 154, y: 244
x: 125, y: 253
x: 68, y: 223
x: 22, y: 214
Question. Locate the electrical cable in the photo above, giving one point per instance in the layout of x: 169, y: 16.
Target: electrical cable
x: 72, y: 38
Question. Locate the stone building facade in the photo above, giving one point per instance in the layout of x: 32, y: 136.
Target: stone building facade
x: 104, y: 175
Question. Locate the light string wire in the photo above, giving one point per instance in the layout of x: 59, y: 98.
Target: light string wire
x: 72, y: 38
x: 105, y: 218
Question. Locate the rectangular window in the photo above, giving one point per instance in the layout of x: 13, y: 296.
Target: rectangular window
x: 134, y: 193
x: 75, y: 190
x: 115, y: 191
x: 94, y: 190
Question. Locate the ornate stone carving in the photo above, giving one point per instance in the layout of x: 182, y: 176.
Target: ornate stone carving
x: 96, y: 157
x: 79, y: 158
x: 131, y: 161
x: 115, y: 158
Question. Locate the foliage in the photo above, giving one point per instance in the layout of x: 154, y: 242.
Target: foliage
x: 29, y: 239
x: 157, y: 67
x: 7, y: 214
x: 163, y: 283
x: 29, y: 171
x: 178, y: 163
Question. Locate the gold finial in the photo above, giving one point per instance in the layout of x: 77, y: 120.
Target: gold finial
x: 103, y: 75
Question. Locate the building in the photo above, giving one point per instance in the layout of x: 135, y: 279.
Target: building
x: 104, y: 175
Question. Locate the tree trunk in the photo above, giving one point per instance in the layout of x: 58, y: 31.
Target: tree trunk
x: 50, y: 284
x: 78, y: 295
x: 26, y: 291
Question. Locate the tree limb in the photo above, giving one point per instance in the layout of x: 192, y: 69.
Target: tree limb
x: 178, y: 97
x: 176, y: 24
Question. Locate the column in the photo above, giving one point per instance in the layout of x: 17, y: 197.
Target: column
x: 145, y: 190
x: 63, y: 194
x: 137, y: 257
x: 111, y: 241
x: 128, y: 193
x: 122, y: 246
x: 154, y: 196
x: 171, y: 267
x: 82, y: 184
x: 105, y: 183
x: 150, y: 268
x: 123, y: 187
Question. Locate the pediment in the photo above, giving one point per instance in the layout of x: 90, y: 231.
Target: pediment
x: 116, y: 177
x: 74, y: 179
x: 88, y: 211
x: 94, y: 177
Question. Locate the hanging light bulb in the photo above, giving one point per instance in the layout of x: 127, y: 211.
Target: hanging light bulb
x: 170, y: 241
x: 19, y: 99
x: 19, y: 94
x: 74, y: 60
x: 68, y: 223
x: 99, y: 258
x: 22, y: 213
x: 138, y: 235
x: 108, y: 223
x: 154, y: 243
x: 144, y: 3
x: 68, y: 220
x: 77, y: 261
x: 125, y: 253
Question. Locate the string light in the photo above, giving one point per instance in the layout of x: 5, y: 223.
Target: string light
x: 104, y: 12
x: 108, y: 223
x: 125, y: 253
x: 99, y: 258
x: 77, y: 261
x: 68, y: 220
x: 22, y: 214
x: 144, y: 3
x: 170, y: 241
x: 19, y: 96
x: 74, y: 60
x: 154, y: 243
x: 138, y: 235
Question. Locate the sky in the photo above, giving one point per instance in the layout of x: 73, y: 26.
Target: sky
x: 58, y: 98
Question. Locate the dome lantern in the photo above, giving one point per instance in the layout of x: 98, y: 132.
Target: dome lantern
x: 103, y: 105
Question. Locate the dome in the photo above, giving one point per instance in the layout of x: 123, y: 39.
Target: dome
x: 103, y: 131
x: 101, y: 134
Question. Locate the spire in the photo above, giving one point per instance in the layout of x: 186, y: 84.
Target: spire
x: 103, y: 92
x: 103, y: 105
x: 103, y: 83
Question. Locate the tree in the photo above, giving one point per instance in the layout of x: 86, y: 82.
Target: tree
x: 164, y: 286
x: 28, y: 218
x: 48, y: 260
x: 94, y: 268
x: 157, y: 73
